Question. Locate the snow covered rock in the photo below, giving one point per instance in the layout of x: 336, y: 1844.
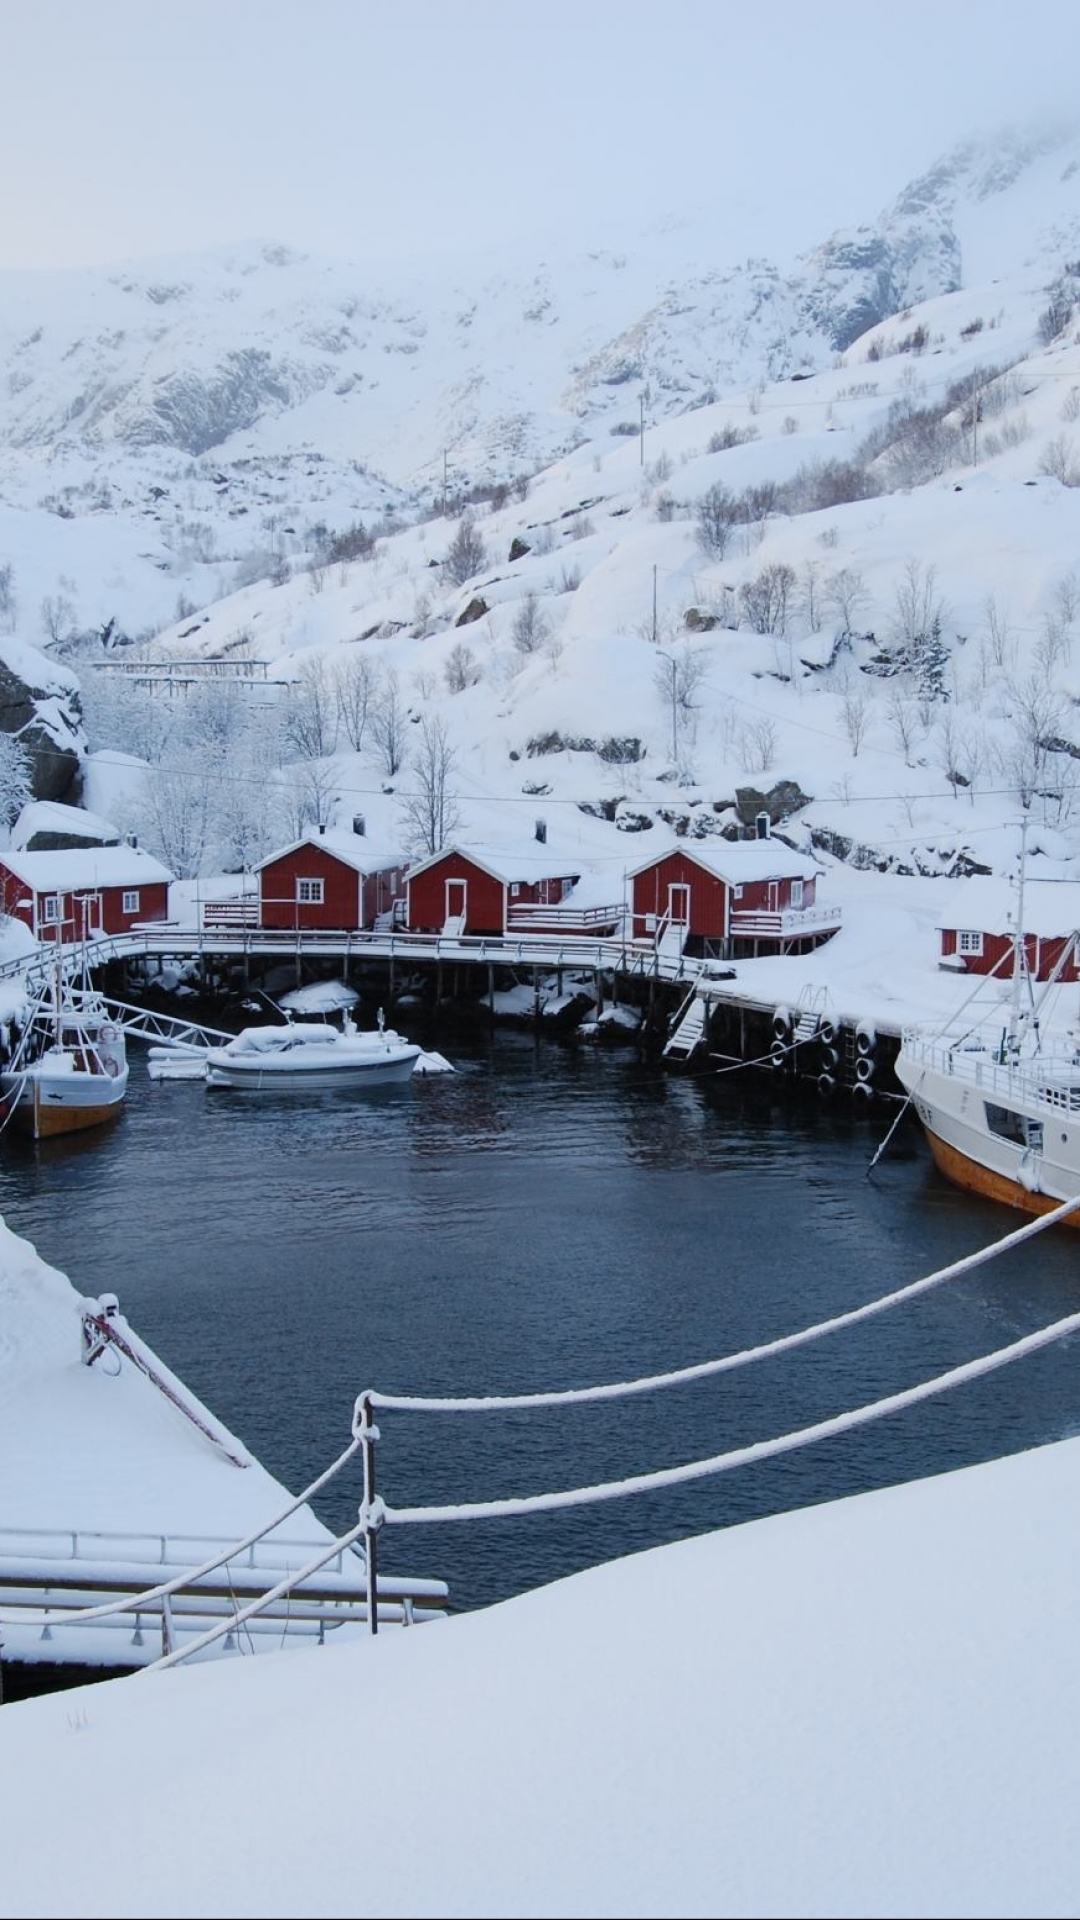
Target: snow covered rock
x: 39, y: 701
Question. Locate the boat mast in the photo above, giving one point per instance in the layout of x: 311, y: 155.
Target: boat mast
x: 1019, y: 951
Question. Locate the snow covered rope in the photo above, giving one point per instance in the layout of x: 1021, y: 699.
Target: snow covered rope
x: 704, y: 1369
x: 739, y: 1456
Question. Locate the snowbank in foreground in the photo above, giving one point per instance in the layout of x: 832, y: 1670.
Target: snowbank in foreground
x: 861, y: 1708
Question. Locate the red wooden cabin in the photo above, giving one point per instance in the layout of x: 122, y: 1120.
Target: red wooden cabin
x: 328, y: 881
x: 977, y: 936
x: 80, y: 893
x: 503, y: 890
x: 730, y: 898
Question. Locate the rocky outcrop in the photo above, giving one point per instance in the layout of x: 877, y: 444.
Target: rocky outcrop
x: 780, y: 802
x: 39, y: 701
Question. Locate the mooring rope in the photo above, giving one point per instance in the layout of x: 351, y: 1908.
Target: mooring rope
x: 727, y: 1363
x: 739, y: 1456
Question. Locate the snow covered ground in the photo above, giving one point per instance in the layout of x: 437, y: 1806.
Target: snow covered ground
x: 862, y: 1708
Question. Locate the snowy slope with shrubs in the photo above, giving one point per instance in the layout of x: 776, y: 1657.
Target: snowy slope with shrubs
x: 854, y: 588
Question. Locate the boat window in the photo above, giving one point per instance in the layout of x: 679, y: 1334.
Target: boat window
x: 1016, y: 1127
x: 969, y: 942
x: 309, y: 893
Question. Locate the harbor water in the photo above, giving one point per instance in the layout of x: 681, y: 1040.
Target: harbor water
x: 549, y: 1216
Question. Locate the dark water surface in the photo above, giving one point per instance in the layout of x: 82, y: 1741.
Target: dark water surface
x: 548, y: 1217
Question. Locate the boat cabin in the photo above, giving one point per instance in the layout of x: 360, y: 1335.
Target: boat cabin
x: 328, y: 881
x: 506, y: 890
x: 730, y: 899
x: 83, y: 892
x: 978, y: 934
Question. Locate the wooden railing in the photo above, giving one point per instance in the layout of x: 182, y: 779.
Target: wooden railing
x: 241, y: 912
x: 563, y: 919
x: 782, y: 924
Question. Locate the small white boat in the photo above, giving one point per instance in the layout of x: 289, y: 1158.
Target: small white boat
x: 69, y: 1070
x: 294, y: 1057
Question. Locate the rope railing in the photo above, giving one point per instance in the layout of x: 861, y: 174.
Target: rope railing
x: 738, y: 1456
x: 727, y: 1363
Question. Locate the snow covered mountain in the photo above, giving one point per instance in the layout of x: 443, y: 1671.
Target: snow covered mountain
x: 881, y: 614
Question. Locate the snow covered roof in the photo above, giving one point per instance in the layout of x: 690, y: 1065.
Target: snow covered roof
x: 529, y: 860
x: 51, y: 816
x: 73, y: 867
x: 740, y: 860
x: 986, y: 904
x: 352, y: 848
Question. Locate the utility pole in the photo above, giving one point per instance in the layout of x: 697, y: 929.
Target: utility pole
x: 974, y: 423
x: 641, y: 436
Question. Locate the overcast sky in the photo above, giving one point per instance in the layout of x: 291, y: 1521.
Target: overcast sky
x: 391, y: 129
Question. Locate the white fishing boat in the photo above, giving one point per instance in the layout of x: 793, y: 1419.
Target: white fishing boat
x: 312, y: 1055
x: 1000, y: 1102
x: 69, y: 1069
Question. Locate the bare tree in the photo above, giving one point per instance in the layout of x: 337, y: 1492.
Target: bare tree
x: 903, y: 718
x: 312, y: 710
x: 677, y: 677
x: 388, y: 724
x: 462, y: 668
x: 1059, y: 461
x: 845, y: 593
x: 305, y: 798
x: 999, y: 634
x: 466, y: 554
x: 57, y: 617
x: 757, y: 744
x: 356, y: 685
x: 855, y: 713
x: 917, y: 605
x: 430, y: 814
x: 764, y: 599
x: 717, y: 514
x: 811, y: 594
x: 530, y: 628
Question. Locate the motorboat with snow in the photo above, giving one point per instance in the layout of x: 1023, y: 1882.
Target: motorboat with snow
x: 299, y: 1056
x: 69, y: 1068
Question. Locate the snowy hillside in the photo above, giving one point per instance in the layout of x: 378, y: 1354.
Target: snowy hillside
x: 848, y: 581
x: 167, y: 422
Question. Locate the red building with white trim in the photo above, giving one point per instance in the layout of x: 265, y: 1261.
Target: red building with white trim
x: 978, y: 931
x: 330, y: 882
x: 505, y: 890
x: 726, y: 899
x: 80, y: 893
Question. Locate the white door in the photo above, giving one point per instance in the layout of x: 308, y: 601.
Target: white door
x: 456, y: 905
x: 679, y: 904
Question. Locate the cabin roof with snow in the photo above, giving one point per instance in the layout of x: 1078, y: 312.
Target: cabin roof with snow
x: 72, y: 868
x: 739, y: 861
x: 52, y: 816
x: 987, y: 903
x: 352, y: 848
x: 530, y: 861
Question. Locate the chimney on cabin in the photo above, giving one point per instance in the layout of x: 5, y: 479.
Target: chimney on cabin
x: 541, y: 832
x: 762, y: 826
x: 359, y: 824
x: 322, y: 826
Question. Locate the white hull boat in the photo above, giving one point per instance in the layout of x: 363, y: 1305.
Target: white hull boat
x: 69, y: 1070
x: 292, y: 1058
x: 1002, y: 1125
x: 1002, y: 1114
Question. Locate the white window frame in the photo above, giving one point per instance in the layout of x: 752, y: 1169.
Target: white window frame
x: 129, y: 901
x: 736, y: 893
x: 50, y: 910
x: 796, y: 893
x: 515, y: 889
x: 310, y: 891
x: 969, y: 942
